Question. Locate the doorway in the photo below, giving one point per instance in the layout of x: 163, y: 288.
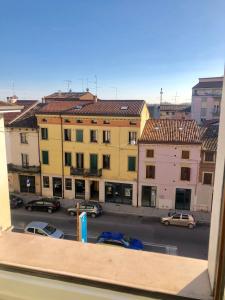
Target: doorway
x: 148, y: 196
x: 94, y: 190
x: 57, y: 186
x: 183, y: 199
x: 27, y: 184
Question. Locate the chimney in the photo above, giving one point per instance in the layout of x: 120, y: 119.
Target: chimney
x: 12, y: 99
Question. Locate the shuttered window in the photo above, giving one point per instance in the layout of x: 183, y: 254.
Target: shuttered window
x: 79, y: 135
x: 131, y: 163
x: 68, y: 159
x: 150, y: 172
x: 45, y: 158
x: 185, y: 173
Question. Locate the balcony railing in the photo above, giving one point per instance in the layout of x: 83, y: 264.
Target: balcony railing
x: 216, y: 113
x: 86, y: 172
x: 24, y: 168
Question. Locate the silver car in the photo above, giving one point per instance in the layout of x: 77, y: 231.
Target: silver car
x: 45, y: 229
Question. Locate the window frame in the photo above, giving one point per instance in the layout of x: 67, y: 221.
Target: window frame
x: 183, y: 152
x: 67, y: 135
x: 23, y: 138
x: 128, y: 163
x: 46, y: 186
x: 130, y: 139
x: 181, y: 174
x: 79, y: 131
x: 106, y: 136
x: 24, y: 162
x: 209, y: 161
x: 44, y: 133
x: 153, y: 174
x: 96, y: 135
x: 46, y: 152
x: 68, y: 187
x: 203, y: 177
x: 66, y: 155
x: 104, y: 167
x: 153, y: 153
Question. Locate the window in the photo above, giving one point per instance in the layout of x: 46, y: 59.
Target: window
x: 133, y: 123
x: 46, y: 181
x: 23, y: 138
x: 150, y: 172
x: 203, y: 111
x: 30, y: 229
x: 176, y: 217
x: 67, y: 134
x: 25, y: 160
x: 106, y: 122
x: 80, y: 160
x: 209, y: 156
x: 68, y: 159
x: 68, y: 184
x: 45, y: 158
x: 131, y: 163
x: 93, y: 136
x: 185, y: 173
x: 185, y: 154
x: 150, y: 153
x: 44, y: 133
x: 207, y: 178
x: 185, y: 217
x: 79, y: 121
x: 132, y: 138
x: 94, y: 121
x: 79, y: 135
x: 106, y: 136
x: 106, y: 161
x: 39, y: 231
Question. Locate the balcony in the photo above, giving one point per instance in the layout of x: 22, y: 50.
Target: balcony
x: 24, y: 168
x: 86, y: 172
x: 216, y: 113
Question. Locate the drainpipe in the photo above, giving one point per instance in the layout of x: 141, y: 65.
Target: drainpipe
x: 62, y: 149
x: 39, y: 159
x: 138, y: 174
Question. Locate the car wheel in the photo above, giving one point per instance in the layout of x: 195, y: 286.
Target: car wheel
x: 29, y: 208
x: 166, y: 223
x: 72, y: 213
x: 49, y: 210
x: 93, y: 215
x: 191, y: 226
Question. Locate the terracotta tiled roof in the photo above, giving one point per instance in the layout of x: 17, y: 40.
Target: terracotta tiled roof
x: 171, y: 131
x: 68, y: 96
x: 100, y: 108
x: 174, y: 107
x: 27, y: 104
x: 61, y: 106
x: 209, y: 84
x: 209, y: 137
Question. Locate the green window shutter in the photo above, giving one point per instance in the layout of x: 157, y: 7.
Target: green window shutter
x: 68, y: 159
x: 45, y: 157
x: 131, y: 163
x: 79, y: 135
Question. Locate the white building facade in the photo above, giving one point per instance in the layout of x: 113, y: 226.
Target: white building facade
x: 206, y: 99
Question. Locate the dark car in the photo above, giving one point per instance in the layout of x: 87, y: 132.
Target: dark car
x: 119, y: 239
x: 15, y: 201
x: 92, y: 209
x: 49, y: 205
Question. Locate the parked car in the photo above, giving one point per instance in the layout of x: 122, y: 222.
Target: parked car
x: 44, y: 204
x: 179, y: 219
x: 119, y: 239
x: 45, y: 229
x: 15, y: 201
x: 92, y: 209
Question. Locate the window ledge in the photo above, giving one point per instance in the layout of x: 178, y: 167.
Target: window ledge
x: 140, y: 270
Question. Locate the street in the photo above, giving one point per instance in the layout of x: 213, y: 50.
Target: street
x: 155, y: 236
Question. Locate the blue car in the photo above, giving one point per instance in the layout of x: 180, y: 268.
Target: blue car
x: 119, y: 239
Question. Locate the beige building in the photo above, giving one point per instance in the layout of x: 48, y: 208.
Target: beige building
x: 5, y: 220
x: 22, y: 153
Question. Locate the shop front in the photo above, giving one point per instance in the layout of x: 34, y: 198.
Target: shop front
x: 120, y: 193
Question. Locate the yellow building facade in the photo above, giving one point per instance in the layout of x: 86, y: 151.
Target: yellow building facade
x: 91, y: 156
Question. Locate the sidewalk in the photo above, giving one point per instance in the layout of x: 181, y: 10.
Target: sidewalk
x: 201, y: 217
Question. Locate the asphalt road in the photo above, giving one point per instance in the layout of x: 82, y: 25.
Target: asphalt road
x: 155, y: 236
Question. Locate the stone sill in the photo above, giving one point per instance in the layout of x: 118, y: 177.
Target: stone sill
x: 144, y: 271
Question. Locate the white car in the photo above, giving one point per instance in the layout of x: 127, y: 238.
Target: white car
x: 45, y: 229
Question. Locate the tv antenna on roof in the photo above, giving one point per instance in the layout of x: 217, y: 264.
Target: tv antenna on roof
x: 115, y: 88
x: 68, y: 84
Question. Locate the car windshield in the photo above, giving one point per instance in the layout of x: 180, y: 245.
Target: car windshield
x: 49, y: 229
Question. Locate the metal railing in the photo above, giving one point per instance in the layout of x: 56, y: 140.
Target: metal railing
x: 23, y: 168
x: 85, y: 172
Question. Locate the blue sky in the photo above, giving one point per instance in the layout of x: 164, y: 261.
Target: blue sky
x: 137, y: 46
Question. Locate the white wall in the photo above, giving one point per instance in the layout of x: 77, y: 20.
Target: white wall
x: 217, y: 197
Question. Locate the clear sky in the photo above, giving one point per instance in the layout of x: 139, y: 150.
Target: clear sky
x: 136, y: 46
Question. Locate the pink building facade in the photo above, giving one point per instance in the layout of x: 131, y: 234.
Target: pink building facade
x: 169, y: 170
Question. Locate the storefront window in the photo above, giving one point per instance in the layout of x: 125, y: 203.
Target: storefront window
x: 148, y: 196
x: 79, y: 189
x: 118, y: 193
